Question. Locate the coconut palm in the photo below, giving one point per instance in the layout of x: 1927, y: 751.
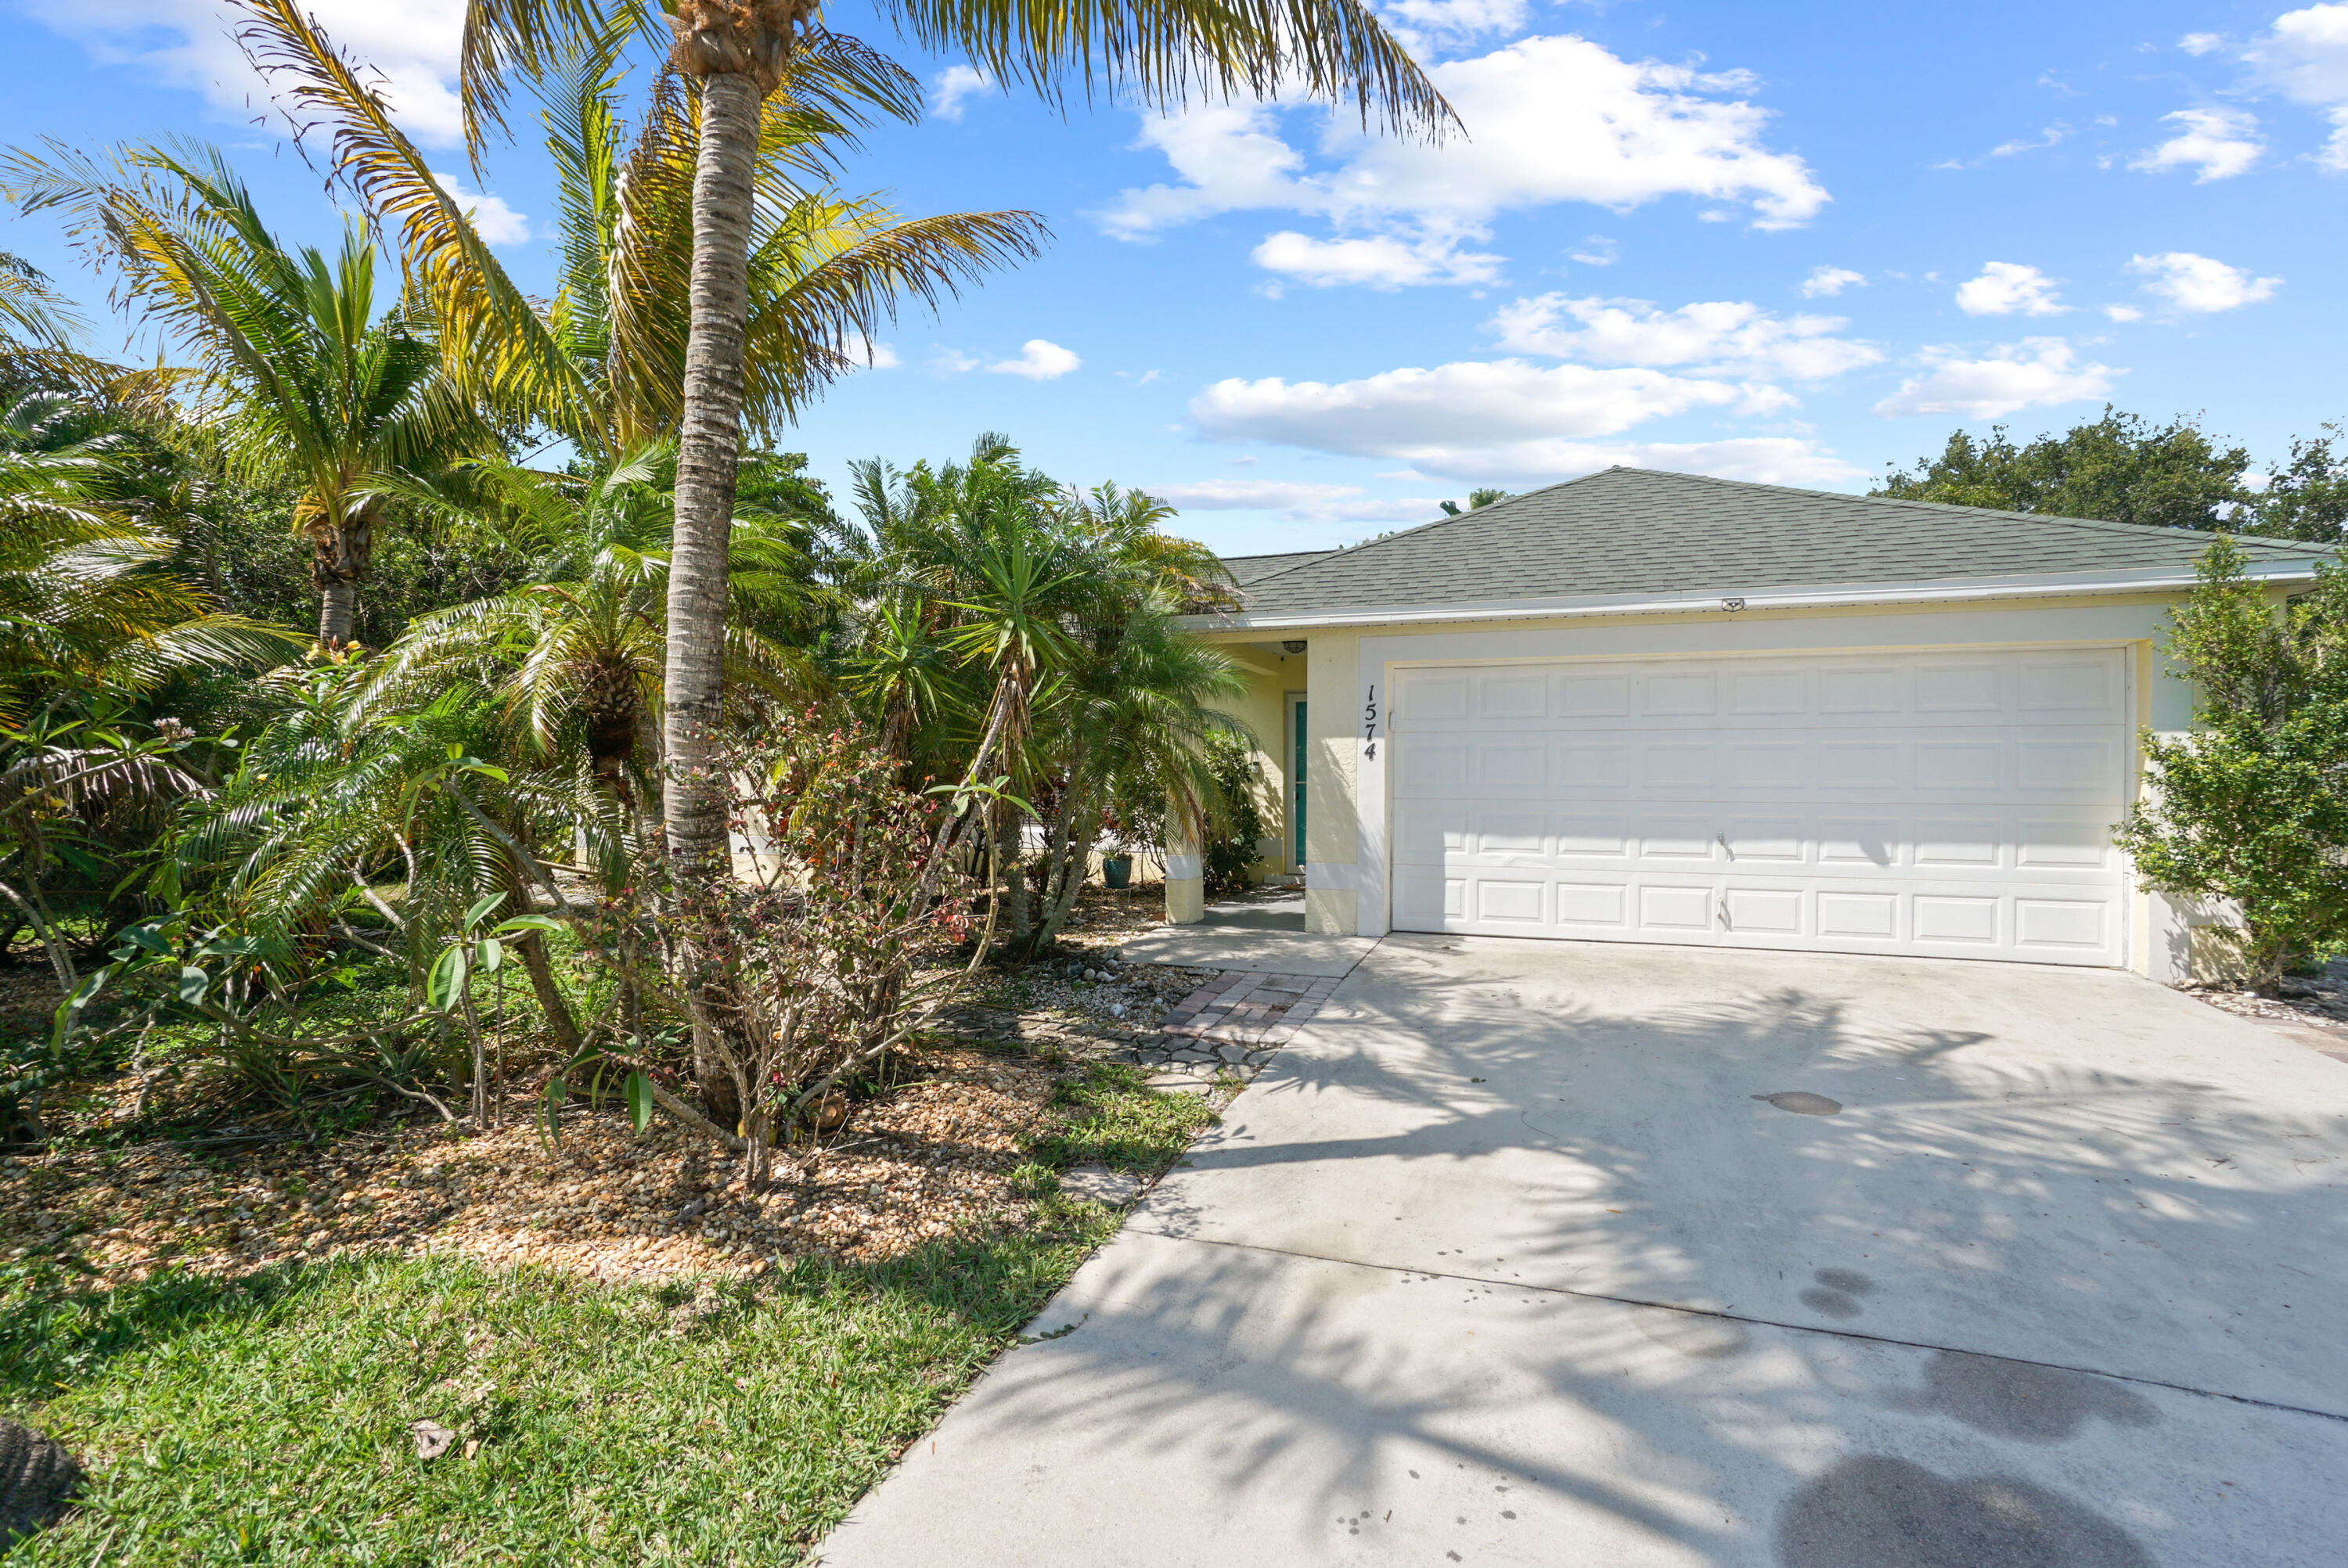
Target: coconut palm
x: 739, y: 52
x: 603, y: 362
x: 301, y: 370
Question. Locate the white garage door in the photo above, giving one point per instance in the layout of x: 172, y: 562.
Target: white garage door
x: 1954, y: 804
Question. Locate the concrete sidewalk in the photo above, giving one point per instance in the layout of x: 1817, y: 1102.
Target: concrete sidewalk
x: 1576, y: 1255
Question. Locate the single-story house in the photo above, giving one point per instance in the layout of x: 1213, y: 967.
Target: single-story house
x: 1655, y: 707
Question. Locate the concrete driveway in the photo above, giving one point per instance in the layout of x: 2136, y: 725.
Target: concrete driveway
x: 1566, y: 1255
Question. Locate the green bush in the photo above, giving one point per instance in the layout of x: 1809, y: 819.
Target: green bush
x: 2252, y: 808
x: 1237, y: 825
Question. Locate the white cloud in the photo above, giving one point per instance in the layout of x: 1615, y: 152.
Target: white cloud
x: 864, y: 353
x: 1424, y: 22
x: 1483, y: 421
x: 1548, y: 119
x: 2201, y: 284
x: 1722, y: 337
x: 1419, y: 415
x: 952, y: 89
x: 1831, y: 281
x: 953, y: 362
x: 2008, y: 288
x: 1380, y: 260
x: 2124, y: 313
x: 2201, y: 42
x: 493, y: 220
x: 2305, y: 56
x: 2059, y: 131
x: 1595, y: 250
x: 2220, y: 143
x: 1300, y: 503
x: 188, y: 44
x: 1039, y: 359
x: 2036, y: 372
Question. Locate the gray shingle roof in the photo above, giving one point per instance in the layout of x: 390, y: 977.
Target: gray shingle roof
x: 1643, y: 531
x: 1246, y: 569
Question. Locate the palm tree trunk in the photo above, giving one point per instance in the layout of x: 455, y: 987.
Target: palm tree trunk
x: 708, y: 446
x: 342, y: 542
x: 339, y: 613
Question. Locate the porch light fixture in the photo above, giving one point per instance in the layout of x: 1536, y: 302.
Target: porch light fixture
x: 1294, y: 645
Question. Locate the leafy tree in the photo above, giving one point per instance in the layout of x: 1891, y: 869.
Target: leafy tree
x: 2307, y: 497
x: 2121, y: 466
x: 2252, y: 807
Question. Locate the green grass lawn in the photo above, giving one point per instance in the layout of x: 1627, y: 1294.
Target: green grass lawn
x: 268, y: 1422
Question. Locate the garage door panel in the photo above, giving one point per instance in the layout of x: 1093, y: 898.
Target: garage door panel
x: 1770, y: 841
x: 1768, y: 693
x: 2078, y: 687
x: 2074, y: 924
x: 1675, y: 908
x: 1586, y: 906
x: 1857, y: 916
x: 1960, y: 688
x: 1938, y: 804
x: 1756, y: 911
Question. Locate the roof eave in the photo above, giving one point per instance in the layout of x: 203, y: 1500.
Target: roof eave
x: 1713, y: 600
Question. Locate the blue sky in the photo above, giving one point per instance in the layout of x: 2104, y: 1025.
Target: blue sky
x: 1784, y: 243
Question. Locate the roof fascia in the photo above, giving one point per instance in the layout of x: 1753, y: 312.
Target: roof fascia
x: 2047, y: 585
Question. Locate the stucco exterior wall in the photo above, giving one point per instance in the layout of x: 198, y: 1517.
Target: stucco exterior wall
x: 1349, y: 669
x: 1262, y: 710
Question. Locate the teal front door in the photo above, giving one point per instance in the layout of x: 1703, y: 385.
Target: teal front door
x: 1296, y: 781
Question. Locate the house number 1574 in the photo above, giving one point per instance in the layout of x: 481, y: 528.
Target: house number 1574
x: 1370, y: 725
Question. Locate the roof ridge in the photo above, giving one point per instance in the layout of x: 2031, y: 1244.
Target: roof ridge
x: 2100, y: 525
x: 1460, y: 517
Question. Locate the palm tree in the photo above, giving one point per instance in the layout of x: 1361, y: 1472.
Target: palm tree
x: 87, y: 601
x: 303, y: 373
x: 739, y: 52
x: 574, y: 656
x: 335, y: 789
x: 985, y: 591
x: 33, y: 316
x: 91, y: 618
x: 602, y: 364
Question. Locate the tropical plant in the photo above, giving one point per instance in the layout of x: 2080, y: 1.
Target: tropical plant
x: 601, y: 363
x: 574, y: 656
x: 88, y: 601
x: 986, y: 589
x: 301, y: 370
x: 2251, y: 808
x: 339, y: 792
x: 33, y: 316
x: 738, y: 53
x: 1476, y: 501
x: 1234, y: 840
